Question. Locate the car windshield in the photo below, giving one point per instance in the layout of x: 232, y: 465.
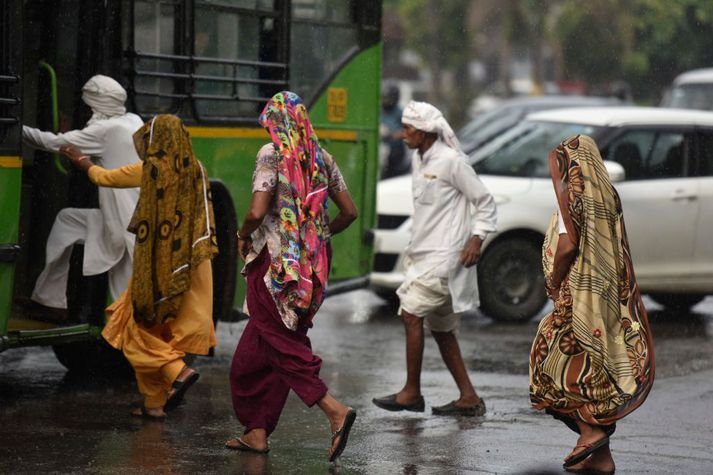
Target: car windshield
x: 522, y: 151
x: 487, y: 125
x: 692, y: 96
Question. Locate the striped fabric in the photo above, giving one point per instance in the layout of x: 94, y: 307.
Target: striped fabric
x: 592, y: 358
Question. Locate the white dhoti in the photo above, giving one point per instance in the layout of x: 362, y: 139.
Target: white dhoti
x: 76, y: 226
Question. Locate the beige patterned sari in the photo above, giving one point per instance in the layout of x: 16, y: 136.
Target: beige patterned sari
x: 592, y: 358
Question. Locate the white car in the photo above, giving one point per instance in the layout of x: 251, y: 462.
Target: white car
x: 661, y: 162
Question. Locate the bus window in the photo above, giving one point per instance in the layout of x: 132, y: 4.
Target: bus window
x: 324, y: 33
x: 155, y: 34
x: 233, y: 49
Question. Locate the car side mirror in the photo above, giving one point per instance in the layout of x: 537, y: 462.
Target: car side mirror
x: 615, y: 170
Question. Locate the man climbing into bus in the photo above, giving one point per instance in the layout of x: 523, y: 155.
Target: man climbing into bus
x: 453, y: 214
x: 108, y: 246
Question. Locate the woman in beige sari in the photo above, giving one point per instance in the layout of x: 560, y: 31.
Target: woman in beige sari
x: 592, y: 360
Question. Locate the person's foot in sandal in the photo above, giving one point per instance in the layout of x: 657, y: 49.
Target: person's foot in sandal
x: 185, y: 379
x: 149, y: 413
x: 253, y: 441
x: 600, y: 462
x: 587, y: 442
x: 341, y: 434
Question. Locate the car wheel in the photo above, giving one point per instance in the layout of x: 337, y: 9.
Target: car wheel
x: 680, y: 302
x: 510, y: 279
x: 388, y: 295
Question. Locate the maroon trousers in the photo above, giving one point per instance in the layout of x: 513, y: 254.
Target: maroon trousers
x: 270, y: 359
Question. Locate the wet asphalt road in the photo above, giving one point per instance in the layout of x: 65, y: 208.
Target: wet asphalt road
x: 52, y: 421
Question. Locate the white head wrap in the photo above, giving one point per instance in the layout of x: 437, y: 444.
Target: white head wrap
x: 423, y: 116
x: 105, y: 96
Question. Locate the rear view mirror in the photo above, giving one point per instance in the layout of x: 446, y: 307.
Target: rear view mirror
x: 615, y: 170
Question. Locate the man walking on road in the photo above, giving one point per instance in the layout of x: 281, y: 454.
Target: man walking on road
x: 453, y: 214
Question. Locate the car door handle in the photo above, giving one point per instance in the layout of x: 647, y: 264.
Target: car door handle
x: 681, y: 195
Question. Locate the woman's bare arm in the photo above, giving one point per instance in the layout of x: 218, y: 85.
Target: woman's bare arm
x: 347, y: 212
x: 564, y: 257
x: 259, y: 206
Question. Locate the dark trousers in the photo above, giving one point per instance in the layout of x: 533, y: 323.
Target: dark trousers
x: 270, y: 359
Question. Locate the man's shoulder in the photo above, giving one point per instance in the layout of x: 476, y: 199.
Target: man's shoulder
x: 448, y: 156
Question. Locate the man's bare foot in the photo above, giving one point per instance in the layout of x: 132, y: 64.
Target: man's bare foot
x: 600, y: 462
x: 153, y: 413
x: 256, y: 438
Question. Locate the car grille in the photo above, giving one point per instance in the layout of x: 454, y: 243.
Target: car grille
x: 384, y: 262
x: 390, y: 221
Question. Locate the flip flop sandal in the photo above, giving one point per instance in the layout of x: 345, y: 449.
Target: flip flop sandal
x: 179, y: 390
x: 343, y: 434
x: 146, y: 415
x: 589, y: 449
x: 243, y: 446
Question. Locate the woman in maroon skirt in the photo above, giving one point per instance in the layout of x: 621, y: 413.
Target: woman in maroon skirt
x: 284, y: 241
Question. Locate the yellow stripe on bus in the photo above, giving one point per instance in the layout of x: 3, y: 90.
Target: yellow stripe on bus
x: 10, y: 162
x: 250, y: 133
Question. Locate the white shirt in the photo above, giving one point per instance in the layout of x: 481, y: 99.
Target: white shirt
x: 111, y: 144
x: 451, y: 204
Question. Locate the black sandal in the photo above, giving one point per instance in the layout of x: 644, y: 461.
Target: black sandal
x: 179, y: 390
x: 343, y: 434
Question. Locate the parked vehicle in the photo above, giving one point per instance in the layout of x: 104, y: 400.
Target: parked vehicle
x: 661, y: 161
x: 214, y: 64
x: 488, y: 125
x: 691, y: 90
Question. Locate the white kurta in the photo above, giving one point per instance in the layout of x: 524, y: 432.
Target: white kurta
x: 108, y: 246
x: 451, y: 204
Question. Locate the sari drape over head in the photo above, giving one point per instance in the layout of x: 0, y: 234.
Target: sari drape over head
x: 592, y: 358
x: 299, y: 273
x: 173, y: 221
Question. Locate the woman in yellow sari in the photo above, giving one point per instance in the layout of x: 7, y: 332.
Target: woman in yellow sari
x: 167, y: 310
x: 592, y: 360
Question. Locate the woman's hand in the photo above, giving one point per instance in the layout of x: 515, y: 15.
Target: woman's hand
x: 76, y: 156
x: 244, y: 246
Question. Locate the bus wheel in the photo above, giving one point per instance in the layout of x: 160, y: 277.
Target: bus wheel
x: 94, y: 358
x: 510, y: 280
x: 225, y: 263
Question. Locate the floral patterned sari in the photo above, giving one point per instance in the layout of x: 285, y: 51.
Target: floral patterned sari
x: 299, y: 273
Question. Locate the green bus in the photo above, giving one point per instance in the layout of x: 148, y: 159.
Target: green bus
x: 212, y: 62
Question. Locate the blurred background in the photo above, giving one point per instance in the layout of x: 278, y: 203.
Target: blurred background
x: 465, y: 56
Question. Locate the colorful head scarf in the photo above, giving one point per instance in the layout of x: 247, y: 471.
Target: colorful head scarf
x: 173, y: 220
x: 299, y: 274
x: 592, y: 358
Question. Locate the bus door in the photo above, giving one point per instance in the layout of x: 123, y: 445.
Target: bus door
x: 10, y: 161
x: 62, y: 48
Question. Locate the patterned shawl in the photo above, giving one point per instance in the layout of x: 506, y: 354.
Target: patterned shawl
x: 173, y: 220
x: 299, y: 273
x: 592, y: 358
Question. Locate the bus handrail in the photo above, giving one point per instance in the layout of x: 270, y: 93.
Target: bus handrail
x: 204, y: 59
x: 55, y: 110
x: 204, y: 77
